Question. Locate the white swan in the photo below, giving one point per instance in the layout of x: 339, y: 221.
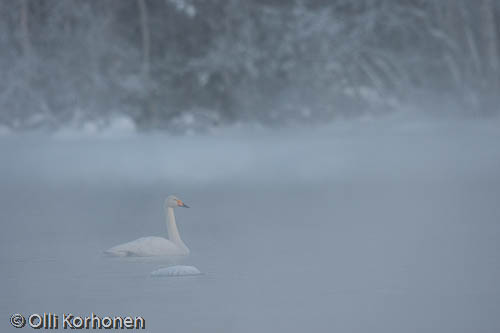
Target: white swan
x: 156, y: 246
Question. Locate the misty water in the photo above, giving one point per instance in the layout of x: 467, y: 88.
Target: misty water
x: 361, y: 226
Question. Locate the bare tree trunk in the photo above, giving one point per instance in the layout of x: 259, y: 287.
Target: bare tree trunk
x: 492, y: 63
x: 453, y: 29
x: 25, y: 34
x: 146, y: 37
x: 148, y: 113
x: 471, y: 42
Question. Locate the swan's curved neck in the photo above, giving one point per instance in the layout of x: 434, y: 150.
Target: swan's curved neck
x: 173, y: 232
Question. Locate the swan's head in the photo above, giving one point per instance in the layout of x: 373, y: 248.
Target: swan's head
x: 172, y: 202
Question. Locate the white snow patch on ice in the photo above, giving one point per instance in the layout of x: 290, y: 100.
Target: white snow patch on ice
x: 119, y: 127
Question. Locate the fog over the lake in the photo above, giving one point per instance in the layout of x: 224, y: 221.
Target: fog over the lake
x: 340, y: 159
x: 387, y: 225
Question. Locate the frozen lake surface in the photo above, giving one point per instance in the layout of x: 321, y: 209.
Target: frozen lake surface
x: 381, y: 226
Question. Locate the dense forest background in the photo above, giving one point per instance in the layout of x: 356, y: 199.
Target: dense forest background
x: 178, y: 64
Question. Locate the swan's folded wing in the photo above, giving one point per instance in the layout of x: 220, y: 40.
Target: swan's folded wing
x: 145, y: 247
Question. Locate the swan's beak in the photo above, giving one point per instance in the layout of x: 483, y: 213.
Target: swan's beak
x: 182, y: 204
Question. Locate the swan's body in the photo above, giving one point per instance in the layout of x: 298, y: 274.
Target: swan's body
x: 146, y: 247
x: 156, y: 246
